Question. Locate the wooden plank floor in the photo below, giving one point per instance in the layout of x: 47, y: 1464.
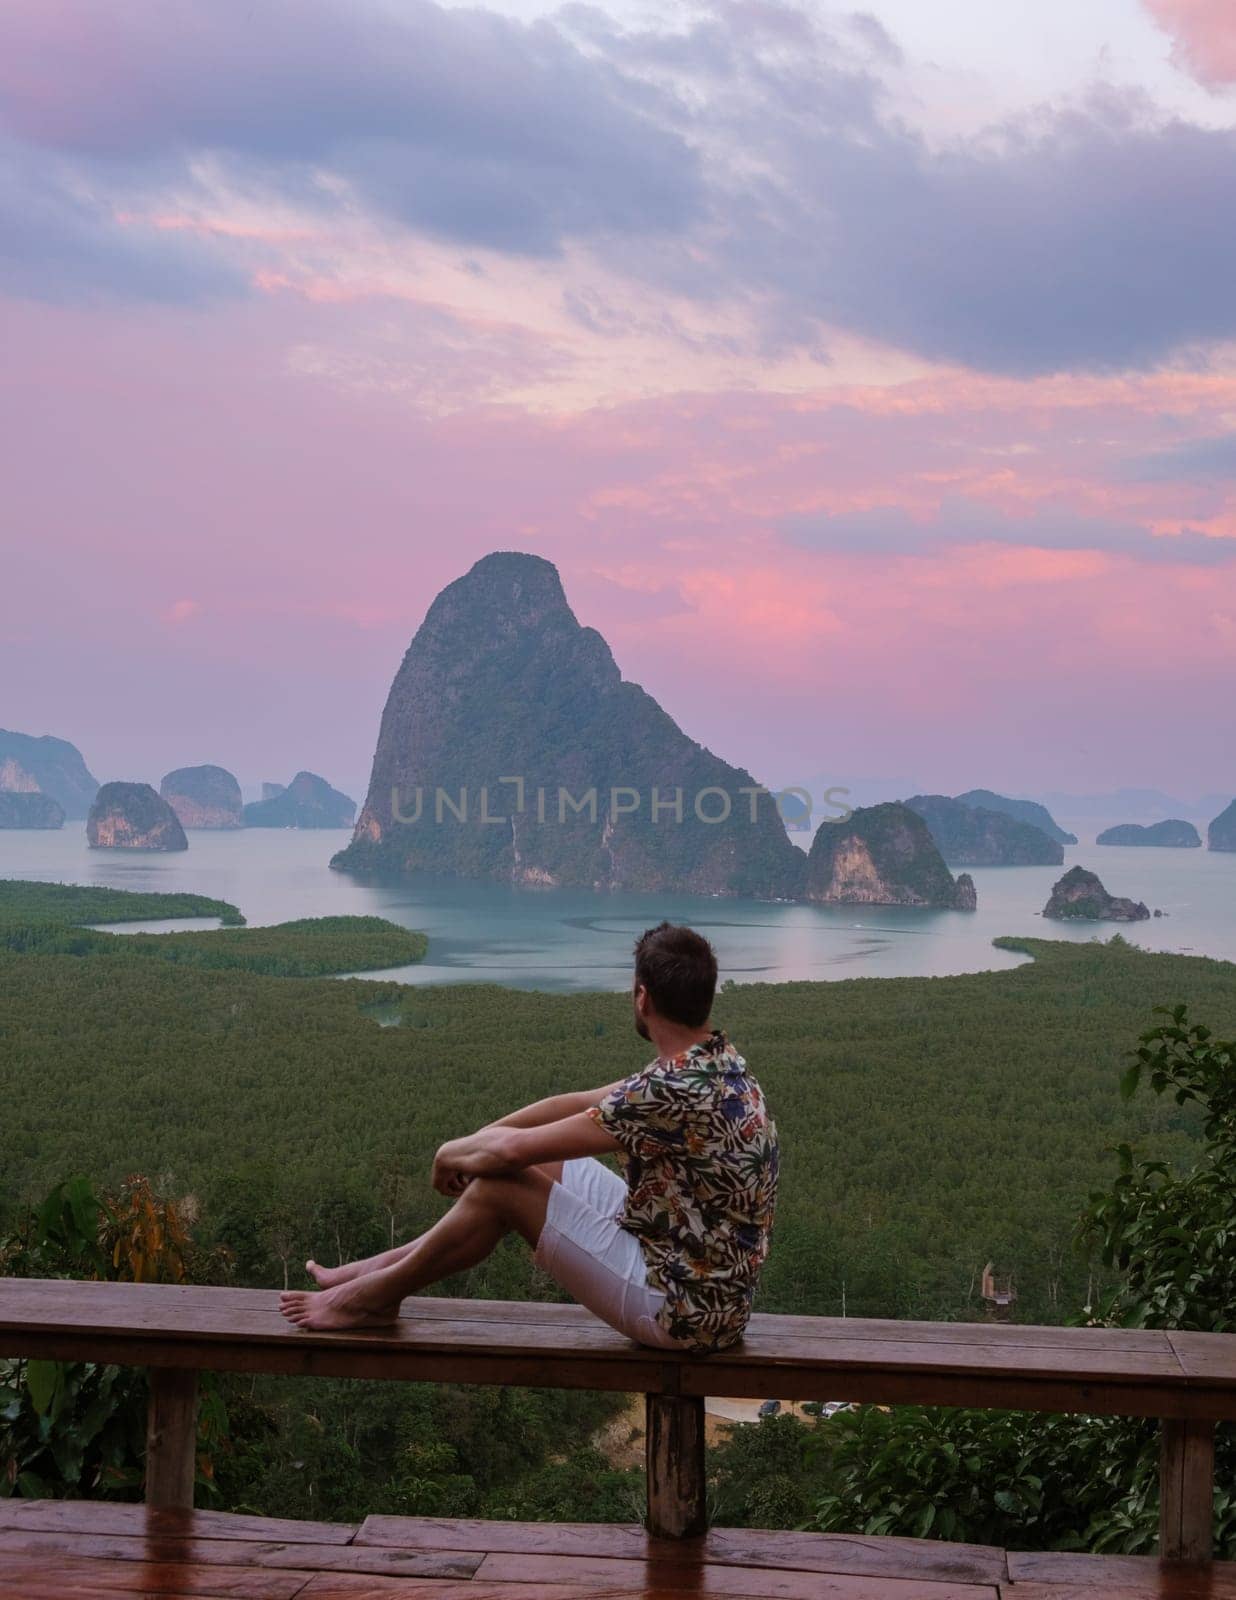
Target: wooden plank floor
x: 82, y: 1549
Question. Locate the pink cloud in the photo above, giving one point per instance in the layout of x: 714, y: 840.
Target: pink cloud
x: 1204, y: 32
x: 312, y: 522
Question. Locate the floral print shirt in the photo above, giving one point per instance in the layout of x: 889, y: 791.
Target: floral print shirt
x: 700, y: 1150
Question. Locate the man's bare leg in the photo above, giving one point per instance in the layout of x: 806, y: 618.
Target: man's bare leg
x: 487, y: 1210
x: 328, y: 1277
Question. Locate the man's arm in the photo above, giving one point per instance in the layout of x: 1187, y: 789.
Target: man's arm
x: 555, y: 1109
x: 507, y: 1147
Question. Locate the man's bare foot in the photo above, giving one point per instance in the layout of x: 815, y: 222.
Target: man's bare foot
x: 347, y: 1305
x: 328, y: 1277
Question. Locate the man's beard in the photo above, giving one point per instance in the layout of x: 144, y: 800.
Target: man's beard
x: 641, y: 1027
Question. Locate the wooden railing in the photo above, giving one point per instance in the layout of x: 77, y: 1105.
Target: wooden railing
x: 1188, y: 1380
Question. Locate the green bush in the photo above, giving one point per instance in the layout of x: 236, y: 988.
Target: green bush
x: 1049, y: 1482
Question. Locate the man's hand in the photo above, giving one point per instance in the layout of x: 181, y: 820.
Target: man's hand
x: 446, y: 1177
x: 505, y: 1148
x: 479, y: 1155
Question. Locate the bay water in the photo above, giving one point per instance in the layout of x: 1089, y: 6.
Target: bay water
x: 562, y: 939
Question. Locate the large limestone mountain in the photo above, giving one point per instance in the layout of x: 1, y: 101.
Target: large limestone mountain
x: 502, y: 683
x: 973, y: 836
x: 883, y: 856
x: 30, y: 764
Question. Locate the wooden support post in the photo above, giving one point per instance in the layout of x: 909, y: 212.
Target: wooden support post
x: 171, y: 1437
x: 677, y: 1502
x: 1186, y: 1490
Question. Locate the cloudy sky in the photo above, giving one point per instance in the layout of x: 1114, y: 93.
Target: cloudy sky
x: 869, y: 375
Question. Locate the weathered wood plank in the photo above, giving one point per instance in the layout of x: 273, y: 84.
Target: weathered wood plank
x: 636, y: 1577
x: 1186, y: 1491
x: 1183, y: 1584
x: 674, y: 1456
x: 1205, y: 1357
x: 853, y: 1553
x: 346, y: 1586
x: 375, y: 1559
x: 563, y: 1538
x: 171, y: 1437
x: 140, y: 1521
x: 1145, y: 1574
x: 808, y: 1552
x: 74, y: 1576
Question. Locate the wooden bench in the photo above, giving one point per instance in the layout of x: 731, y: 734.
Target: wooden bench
x: 1188, y: 1380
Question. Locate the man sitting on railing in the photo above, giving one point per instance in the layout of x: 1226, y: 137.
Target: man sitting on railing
x: 671, y: 1254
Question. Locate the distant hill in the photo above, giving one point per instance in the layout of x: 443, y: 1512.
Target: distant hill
x: 1138, y: 805
x: 885, y: 856
x: 50, y: 766
x: 203, y: 797
x: 973, y: 836
x: 29, y: 810
x: 1173, y: 834
x: 1030, y: 811
x: 512, y: 749
x: 1221, y: 835
x: 307, y: 802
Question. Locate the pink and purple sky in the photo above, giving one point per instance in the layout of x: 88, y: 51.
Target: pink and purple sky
x: 869, y: 375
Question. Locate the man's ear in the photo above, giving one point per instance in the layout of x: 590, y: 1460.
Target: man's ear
x: 641, y: 998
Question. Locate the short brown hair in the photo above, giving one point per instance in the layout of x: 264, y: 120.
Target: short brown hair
x: 678, y: 967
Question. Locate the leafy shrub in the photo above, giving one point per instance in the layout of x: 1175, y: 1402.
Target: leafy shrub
x: 1051, y: 1482
x: 79, y: 1428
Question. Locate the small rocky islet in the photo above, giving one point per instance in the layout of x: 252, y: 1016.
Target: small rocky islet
x: 1080, y: 897
x: 203, y: 797
x: 1172, y: 834
x: 133, y: 816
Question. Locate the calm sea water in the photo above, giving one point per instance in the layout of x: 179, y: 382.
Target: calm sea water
x: 572, y: 939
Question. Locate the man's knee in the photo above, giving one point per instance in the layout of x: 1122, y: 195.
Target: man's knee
x: 480, y: 1193
x: 516, y: 1200
x: 503, y: 1193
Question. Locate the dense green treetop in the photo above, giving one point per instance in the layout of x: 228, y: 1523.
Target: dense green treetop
x: 927, y: 1125
x: 81, y: 903
x: 312, y: 948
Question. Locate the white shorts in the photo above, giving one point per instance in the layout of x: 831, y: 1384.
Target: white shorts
x: 598, y: 1263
